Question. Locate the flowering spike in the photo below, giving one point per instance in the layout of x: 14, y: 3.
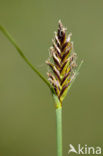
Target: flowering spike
x: 64, y: 62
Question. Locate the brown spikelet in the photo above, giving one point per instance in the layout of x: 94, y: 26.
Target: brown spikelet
x: 63, y: 62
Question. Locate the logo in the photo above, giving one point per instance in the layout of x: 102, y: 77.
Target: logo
x: 84, y: 149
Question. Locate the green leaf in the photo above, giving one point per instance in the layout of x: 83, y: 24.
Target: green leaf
x: 9, y: 37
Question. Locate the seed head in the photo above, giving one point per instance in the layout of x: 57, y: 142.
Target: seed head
x: 63, y: 62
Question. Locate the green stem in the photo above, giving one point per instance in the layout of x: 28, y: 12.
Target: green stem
x: 9, y: 37
x: 59, y: 130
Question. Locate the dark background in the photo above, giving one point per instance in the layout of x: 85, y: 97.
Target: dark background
x: 27, y: 111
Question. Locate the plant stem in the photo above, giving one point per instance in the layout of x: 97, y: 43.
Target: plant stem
x: 59, y: 130
x: 9, y: 37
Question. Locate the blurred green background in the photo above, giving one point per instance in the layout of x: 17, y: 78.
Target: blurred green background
x: 27, y: 111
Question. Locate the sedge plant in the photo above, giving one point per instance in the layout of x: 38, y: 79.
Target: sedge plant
x: 64, y: 70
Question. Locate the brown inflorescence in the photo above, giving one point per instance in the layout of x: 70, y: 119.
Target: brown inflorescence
x: 63, y: 64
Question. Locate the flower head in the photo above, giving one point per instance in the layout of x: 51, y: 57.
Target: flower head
x: 62, y: 62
